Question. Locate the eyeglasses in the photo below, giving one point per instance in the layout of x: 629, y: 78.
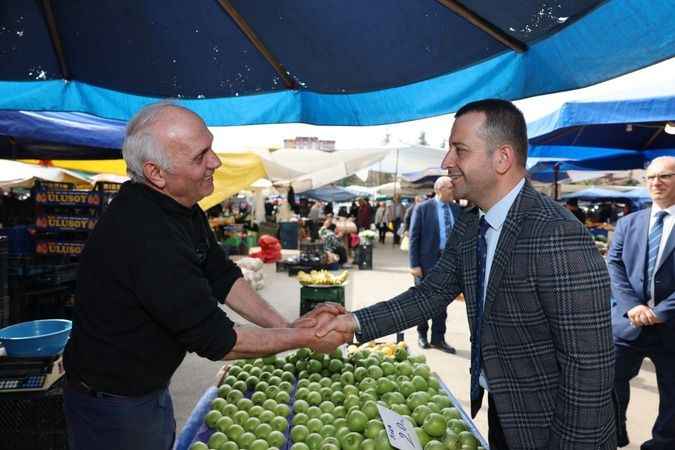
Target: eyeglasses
x: 660, y: 177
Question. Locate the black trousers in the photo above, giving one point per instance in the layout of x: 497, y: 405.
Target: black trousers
x: 342, y: 254
x: 397, y: 238
x: 629, y: 357
x: 496, y: 437
x: 382, y: 228
x: 438, y: 326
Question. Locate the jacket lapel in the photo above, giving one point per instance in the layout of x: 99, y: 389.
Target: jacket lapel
x: 468, y: 255
x: 505, y: 244
x: 670, y: 245
x: 642, y: 228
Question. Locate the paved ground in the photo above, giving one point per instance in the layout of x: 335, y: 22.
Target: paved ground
x: 390, y: 277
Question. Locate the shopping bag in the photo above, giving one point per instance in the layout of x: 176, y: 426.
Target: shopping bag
x: 405, y: 243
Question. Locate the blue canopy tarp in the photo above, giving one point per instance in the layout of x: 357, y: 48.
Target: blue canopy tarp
x: 334, y: 62
x: 630, y: 124
x: 553, y: 164
x: 54, y: 135
x: 619, y: 134
x: 598, y: 194
x: 330, y: 194
x: 424, y: 176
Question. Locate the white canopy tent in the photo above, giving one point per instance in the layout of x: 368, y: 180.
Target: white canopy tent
x: 311, y: 169
x: 396, y: 188
x: 410, y: 158
x: 14, y: 174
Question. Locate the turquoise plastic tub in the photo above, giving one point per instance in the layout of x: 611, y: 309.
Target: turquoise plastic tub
x: 36, y: 339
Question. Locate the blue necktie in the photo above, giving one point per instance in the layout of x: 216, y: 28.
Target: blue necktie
x: 481, y: 255
x: 447, y: 218
x: 653, y: 245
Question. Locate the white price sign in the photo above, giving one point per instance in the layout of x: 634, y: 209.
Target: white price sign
x: 400, y: 431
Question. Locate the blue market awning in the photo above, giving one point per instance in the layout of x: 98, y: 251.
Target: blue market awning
x: 570, y: 158
x: 53, y: 135
x: 629, y: 124
x: 334, y: 62
x: 330, y: 194
x: 622, y: 134
x: 599, y: 194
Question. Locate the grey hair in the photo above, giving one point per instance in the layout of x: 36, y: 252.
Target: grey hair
x: 664, y: 159
x: 141, y: 145
x: 440, y: 181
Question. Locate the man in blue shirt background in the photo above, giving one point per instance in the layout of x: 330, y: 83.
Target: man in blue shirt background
x: 431, y: 224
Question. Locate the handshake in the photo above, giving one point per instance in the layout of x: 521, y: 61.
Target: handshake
x: 326, y: 327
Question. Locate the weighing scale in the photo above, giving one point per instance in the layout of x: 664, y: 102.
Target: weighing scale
x: 31, y: 403
x: 29, y: 374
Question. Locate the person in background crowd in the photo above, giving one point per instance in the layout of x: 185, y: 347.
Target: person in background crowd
x: 641, y: 264
x: 606, y: 213
x: 343, y: 212
x: 364, y: 216
x: 269, y: 209
x: 395, y: 213
x: 284, y: 211
x: 409, y: 212
x: 354, y: 210
x: 290, y: 197
x: 536, y: 290
x: 381, y: 221
x: 573, y: 206
x: 626, y: 209
x: 430, y: 228
x: 150, y: 279
x: 328, y: 209
x: 304, y: 207
x: 313, y: 219
x: 332, y: 241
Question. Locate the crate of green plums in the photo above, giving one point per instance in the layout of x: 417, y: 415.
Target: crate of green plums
x: 310, y: 401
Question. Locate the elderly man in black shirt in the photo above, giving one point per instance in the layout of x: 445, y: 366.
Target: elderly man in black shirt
x: 151, y: 276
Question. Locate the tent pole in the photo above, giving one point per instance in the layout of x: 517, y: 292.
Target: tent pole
x: 396, y: 174
x: 556, y: 177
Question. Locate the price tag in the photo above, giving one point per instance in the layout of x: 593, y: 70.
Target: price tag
x: 400, y: 431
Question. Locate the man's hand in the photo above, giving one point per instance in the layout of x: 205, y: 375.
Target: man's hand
x: 309, y: 320
x: 416, y: 272
x: 642, y: 315
x: 343, y: 324
x: 330, y: 342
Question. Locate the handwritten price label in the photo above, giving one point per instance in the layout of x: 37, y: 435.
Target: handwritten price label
x: 399, y: 429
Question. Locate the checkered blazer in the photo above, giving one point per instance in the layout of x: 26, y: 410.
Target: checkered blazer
x: 546, y: 335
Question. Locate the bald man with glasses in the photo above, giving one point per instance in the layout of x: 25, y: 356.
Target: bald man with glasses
x: 642, y: 270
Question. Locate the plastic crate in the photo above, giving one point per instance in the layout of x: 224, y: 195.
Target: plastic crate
x: 288, y: 235
x: 30, y: 421
x: 310, y: 297
x: 19, y: 240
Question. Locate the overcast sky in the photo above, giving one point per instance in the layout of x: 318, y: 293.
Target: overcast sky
x: 656, y: 80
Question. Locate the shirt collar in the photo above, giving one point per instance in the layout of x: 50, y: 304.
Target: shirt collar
x: 164, y: 201
x: 439, y: 201
x: 656, y: 208
x: 496, y: 216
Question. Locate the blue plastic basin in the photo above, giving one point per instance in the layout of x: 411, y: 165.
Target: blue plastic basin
x: 36, y: 339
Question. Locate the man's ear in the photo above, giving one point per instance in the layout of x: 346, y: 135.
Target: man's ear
x: 154, y: 174
x: 504, y: 159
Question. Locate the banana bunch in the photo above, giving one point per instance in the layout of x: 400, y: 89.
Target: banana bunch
x: 386, y: 349
x: 322, y: 278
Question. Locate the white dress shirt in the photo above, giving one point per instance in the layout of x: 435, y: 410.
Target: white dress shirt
x: 668, y: 223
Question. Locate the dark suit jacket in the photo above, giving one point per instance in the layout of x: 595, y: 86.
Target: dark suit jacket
x: 627, y: 260
x: 546, y: 338
x: 425, y: 234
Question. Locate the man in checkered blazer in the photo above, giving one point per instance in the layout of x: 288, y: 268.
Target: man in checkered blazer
x: 543, y: 348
